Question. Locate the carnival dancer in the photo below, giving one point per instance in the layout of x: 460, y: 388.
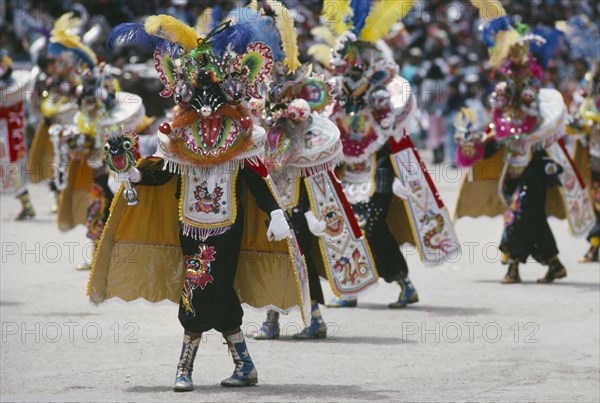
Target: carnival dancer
x: 392, y: 195
x: 584, y: 121
x: 526, y: 135
x: 82, y: 179
x: 590, y: 113
x: 64, y: 56
x: 198, y: 229
x: 301, y: 153
x: 13, y: 148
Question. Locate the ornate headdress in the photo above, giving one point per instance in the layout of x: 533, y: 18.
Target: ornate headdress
x: 64, y: 44
x: 366, y: 114
x: 209, y: 77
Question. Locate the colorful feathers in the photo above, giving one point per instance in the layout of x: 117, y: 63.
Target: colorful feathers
x: 239, y: 36
x: 289, y: 40
x: 336, y: 14
x: 173, y: 30
x: 360, y: 10
x: 263, y: 29
x: 66, y: 40
x: 132, y: 34
x: 382, y: 16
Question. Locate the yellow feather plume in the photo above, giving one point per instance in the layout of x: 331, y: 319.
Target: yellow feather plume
x: 504, y: 41
x: 489, y: 9
x: 337, y: 14
x: 60, y: 35
x: 65, y: 22
x: 289, y: 40
x: 321, y: 53
x: 382, y: 16
x: 325, y: 34
x: 171, y: 29
x: 204, y: 22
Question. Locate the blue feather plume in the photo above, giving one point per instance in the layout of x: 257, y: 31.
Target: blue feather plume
x: 546, y: 51
x: 134, y: 34
x: 492, y: 27
x: 238, y: 35
x: 360, y: 9
x: 263, y: 29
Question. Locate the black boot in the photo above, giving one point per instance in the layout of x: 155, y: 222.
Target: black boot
x: 592, y: 253
x: 555, y: 271
x: 183, y: 378
x: 512, y: 275
x: 27, y: 211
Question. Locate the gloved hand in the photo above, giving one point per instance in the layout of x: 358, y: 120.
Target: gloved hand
x: 133, y: 174
x: 316, y: 226
x: 278, y: 228
x: 400, y: 190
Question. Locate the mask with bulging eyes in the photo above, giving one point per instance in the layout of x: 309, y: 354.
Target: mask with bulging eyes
x: 182, y: 94
x: 233, y: 90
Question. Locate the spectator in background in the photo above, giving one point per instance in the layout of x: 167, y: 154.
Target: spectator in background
x: 178, y: 10
x: 410, y: 68
x: 434, y: 98
x: 453, y: 104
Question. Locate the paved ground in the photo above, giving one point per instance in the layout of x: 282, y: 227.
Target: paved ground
x: 469, y: 338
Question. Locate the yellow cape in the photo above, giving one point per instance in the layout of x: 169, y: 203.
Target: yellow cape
x: 139, y: 254
x: 480, y: 197
x: 73, y: 200
x: 41, y: 156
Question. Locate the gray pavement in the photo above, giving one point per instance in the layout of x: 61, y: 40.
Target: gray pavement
x: 468, y: 339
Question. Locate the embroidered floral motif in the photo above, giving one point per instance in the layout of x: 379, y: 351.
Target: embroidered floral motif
x: 197, y: 274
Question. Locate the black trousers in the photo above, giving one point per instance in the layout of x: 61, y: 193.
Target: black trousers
x: 527, y: 232
x: 305, y: 240
x: 209, y: 300
x: 372, y: 218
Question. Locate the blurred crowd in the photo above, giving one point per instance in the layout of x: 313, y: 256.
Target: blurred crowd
x: 438, y: 47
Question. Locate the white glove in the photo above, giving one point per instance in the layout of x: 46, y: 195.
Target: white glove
x: 317, y: 227
x: 400, y: 190
x: 133, y: 174
x: 113, y: 185
x: 278, y: 228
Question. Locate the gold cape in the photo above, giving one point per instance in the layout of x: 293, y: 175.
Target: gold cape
x: 139, y: 255
x: 41, y: 156
x: 73, y: 200
x: 479, y: 196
